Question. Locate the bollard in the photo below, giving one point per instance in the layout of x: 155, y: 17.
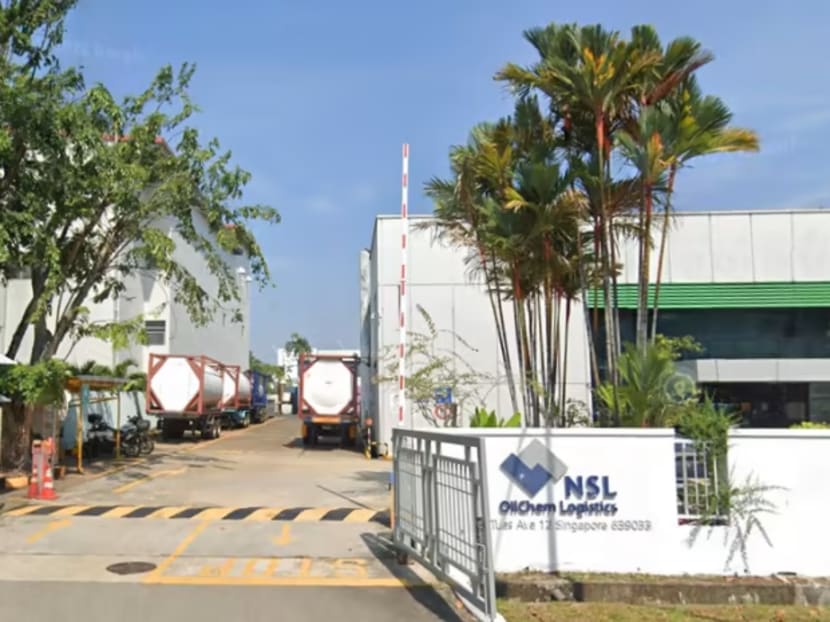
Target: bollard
x: 35, y: 480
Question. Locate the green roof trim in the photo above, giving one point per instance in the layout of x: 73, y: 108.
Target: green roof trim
x: 725, y: 295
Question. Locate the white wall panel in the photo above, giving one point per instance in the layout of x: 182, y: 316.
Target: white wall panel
x: 690, y: 250
x: 772, y: 246
x: 731, y: 248
x: 811, y: 244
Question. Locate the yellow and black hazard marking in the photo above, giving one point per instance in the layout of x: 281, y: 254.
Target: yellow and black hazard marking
x: 254, y: 514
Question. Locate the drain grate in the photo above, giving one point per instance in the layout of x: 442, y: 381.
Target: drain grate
x: 131, y: 567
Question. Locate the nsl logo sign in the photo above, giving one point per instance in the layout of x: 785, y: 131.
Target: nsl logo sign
x: 535, y: 467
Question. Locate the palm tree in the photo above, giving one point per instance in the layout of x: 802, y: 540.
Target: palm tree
x: 515, y: 205
x: 136, y: 380
x: 297, y: 344
x: 701, y: 127
x: 592, y: 76
x: 643, y: 140
x: 462, y: 210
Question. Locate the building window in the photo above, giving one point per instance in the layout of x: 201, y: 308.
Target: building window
x: 737, y: 333
x: 155, y: 332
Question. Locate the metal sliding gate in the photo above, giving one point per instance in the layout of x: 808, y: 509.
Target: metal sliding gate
x: 441, y: 512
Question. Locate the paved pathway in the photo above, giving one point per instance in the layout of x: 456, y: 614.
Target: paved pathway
x: 249, y: 527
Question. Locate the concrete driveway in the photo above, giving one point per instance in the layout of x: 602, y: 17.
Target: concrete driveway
x: 249, y: 527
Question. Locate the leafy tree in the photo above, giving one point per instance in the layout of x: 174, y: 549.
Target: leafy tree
x: 544, y: 198
x: 136, y: 380
x: 98, y: 195
x: 513, y: 203
x: 297, y: 344
x: 275, y: 372
x: 96, y: 192
x: 697, y: 125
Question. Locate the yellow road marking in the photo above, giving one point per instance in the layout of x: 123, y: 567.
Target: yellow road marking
x: 179, y: 550
x: 167, y: 512
x: 147, y: 478
x: 360, y: 516
x: 53, y: 526
x: 120, y: 511
x: 226, y: 568
x: 265, y: 514
x: 314, y: 515
x: 285, y: 536
x: 21, y: 511
x: 288, y: 581
x: 305, y: 567
x: 271, y: 568
x: 71, y: 510
x: 250, y: 568
x: 214, y: 513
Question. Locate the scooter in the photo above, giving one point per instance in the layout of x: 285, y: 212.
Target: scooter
x: 145, y: 440
x: 134, y: 438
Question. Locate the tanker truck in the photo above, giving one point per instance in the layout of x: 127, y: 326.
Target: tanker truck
x: 186, y: 393
x: 236, y: 397
x: 258, y: 409
x: 327, y: 398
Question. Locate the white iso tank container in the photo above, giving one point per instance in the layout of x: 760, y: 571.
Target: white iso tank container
x: 230, y: 390
x: 175, y: 384
x: 244, y: 389
x: 328, y: 387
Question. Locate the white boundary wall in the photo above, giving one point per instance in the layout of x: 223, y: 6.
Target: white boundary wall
x: 644, y: 536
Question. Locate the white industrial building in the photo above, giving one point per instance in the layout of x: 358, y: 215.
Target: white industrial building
x: 168, y: 326
x: 752, y: 287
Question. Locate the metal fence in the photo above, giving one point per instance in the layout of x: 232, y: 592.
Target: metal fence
x: 441, y: 511
x: 699, y: 476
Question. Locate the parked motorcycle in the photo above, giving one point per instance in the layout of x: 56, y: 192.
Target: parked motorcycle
x: 135, y: 438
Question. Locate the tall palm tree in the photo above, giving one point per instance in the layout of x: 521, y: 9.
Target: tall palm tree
x: 701, y: 127
x: 590, y: 74
x: 463, y: 211
x: 643, y: 140
x: 513, y: 203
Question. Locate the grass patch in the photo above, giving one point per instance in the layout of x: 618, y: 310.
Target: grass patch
x: 587, y: 577
x: 515, y: 611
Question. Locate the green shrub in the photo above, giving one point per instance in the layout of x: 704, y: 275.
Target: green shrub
x: 483, y: 419
x: 810, y: 425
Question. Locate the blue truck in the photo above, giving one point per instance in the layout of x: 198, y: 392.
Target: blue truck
x: 258, y: 409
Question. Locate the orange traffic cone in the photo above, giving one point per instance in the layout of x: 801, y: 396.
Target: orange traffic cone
x: 33, y: 478
x: 48, y: 492
x: 47, y: 456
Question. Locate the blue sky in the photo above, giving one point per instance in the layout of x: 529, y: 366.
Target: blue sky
x: 316, y: 97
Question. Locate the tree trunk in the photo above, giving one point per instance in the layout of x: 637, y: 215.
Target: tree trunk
x: 563, y: 409
x: 520, y: 359
x: 501, y: 328
x: 645, y: 269
x: 38, y: 282
x: 664, y: 234
x: 557, y: 352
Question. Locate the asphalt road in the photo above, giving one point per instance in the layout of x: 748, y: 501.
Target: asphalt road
x: 248, y: 527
